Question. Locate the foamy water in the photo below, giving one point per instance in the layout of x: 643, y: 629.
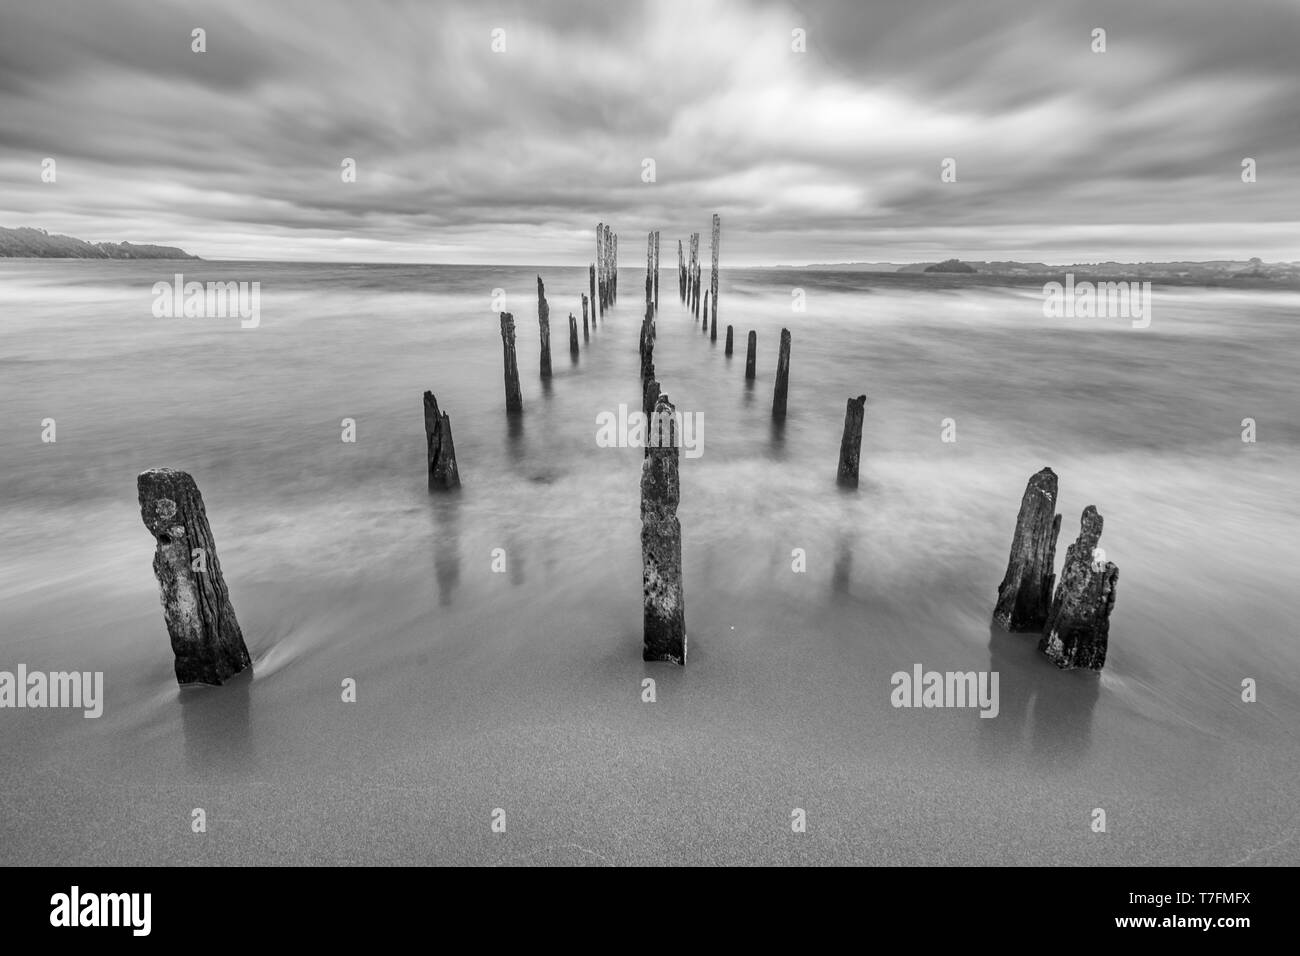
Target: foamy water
x: 521, y: 690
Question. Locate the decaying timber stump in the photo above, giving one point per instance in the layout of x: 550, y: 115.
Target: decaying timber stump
x: 444, y: 474
x: 1078, y: 626
x: 544, y: 324
x: 782, y: 387
x: 851, y: 442
x: 1025, y: 594
x: 514, y: 400
x: 205, y: 636
x: 664, y: 630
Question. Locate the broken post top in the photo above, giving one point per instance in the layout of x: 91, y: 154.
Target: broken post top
x: 163, y: 493
x: 432, y: 416
x: 663, y: 424
x: 857, y: 403
x: 508, y: 325
x: 1089, y: 530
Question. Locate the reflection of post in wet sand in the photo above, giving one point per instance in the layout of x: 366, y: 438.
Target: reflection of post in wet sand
x: 217, y: 727
x: 515, y: 436
x: 843, y: 573
x: 446, y: 548
x: 1054, y: 706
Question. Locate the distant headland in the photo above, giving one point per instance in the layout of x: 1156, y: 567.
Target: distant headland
x: 1212, y: 271
x: 25, y: 243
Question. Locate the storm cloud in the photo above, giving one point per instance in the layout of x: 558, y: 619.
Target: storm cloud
x: 466, y: 154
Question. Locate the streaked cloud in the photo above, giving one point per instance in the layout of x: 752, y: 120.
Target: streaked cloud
x: 465, y: 155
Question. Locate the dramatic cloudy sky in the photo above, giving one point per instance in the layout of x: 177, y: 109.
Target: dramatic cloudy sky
x: 466, y: 155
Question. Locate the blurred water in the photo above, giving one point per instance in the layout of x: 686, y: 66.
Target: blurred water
x: 340, y: 564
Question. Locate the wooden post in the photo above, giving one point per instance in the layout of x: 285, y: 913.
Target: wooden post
x: 205, y: 636
x: 713, y: 329
x: 782, y: 376
x: 544, y: 321
x: 713, y: 276
x: 1078, y: 625
x: 573, y: 337
x: 584, y: 319
x: 750, y: 355
x: 681, y: 273
x: 591, y: 277
x: 444, y: 474
x: 664, y: 630
x: 613, y: 268
x: 649, y: 268
x: 648, y: 395
x: 514, y: 400
x: 851, y: 443
x: 705, y: 327
x: 729, y: 337
x: 1025, y: 594
x: 656, y: 273
x: 600, y: 266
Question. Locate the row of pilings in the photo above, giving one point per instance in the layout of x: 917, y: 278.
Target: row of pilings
x: 1071, y: 616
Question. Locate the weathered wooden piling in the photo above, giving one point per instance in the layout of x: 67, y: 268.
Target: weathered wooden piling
x: 205, y: 637
x: 664, y: 630
x: 573, y: 336
x: 649, y: 268
x: 647, y: 346
x: 585, y: 337
x: 591, y: 277
x: 444, y: 474
x: 751, y: 355
x: 600, y: 266
x: 782, y: 376
x: 727, y: 351
x: 656, y: 272
x: 851, y: 443
x: 1025, y: 594
x: 1078, y: 625
x: 713, y: 275
x: 514, y: 400
x: 613, y: 267
x: 544, y: 326
x: 609, y: 266
x: 705, y: 326
x: 681, y: 272
x: 713, y: 329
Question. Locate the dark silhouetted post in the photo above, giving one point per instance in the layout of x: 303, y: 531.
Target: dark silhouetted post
x: 514, y: 400
x: 573, y: 337
x: 751, y: 355
x: 713, y: 276
x: 851, y: 442
x: 585, y: 336
x: 591, y: 275
x: 1025, y: 594
x: 729, y: 340
x: 656, y: 272
x: 544, y: 321
x: 443, y: 471
x: 782, y: 376
x: 205, y: 636
x: 1078, y: 626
